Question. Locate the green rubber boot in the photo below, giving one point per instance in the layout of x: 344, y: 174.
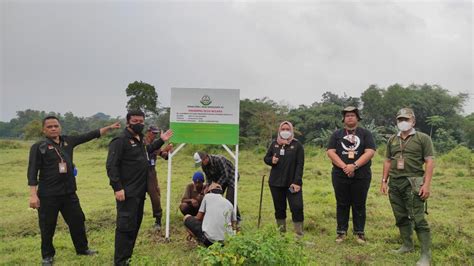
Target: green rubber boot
x: 406, y: 233
x: 299, y: 229
x: 425, y: 242
x: 281, y: 223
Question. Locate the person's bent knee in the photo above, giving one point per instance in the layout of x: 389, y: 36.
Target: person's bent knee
x: 184, y: 208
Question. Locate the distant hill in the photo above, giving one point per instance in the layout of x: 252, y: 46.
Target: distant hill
x: 101, y: 116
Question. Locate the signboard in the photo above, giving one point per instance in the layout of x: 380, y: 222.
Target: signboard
x: 205, y: 116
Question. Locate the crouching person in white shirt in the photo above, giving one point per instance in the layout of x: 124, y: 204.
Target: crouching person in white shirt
x: 214, y: 220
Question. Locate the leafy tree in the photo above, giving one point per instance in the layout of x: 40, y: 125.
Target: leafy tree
x: 322, y: 138
x: 426, y: 100
x: 142, y: 97
x: 33, y: 130
x: 377, y: 132
x: 259, y: 120
x: 309, y: 120
x: 434, y: 121
x: 344, y: 101
x: 444, y: 141
x: 468, y: 130
x: 160, y: 120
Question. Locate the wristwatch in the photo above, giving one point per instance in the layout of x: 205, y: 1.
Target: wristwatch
x: 384, y: 180
x: 356, y: 166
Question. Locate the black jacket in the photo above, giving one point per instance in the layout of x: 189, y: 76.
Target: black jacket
x: 128, y: 162
x: 289, y: 169
x: 45, y: 160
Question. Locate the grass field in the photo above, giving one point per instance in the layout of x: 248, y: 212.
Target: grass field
x: 451, y: 209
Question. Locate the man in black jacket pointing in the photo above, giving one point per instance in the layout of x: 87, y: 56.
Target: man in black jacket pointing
x: 127, y: 168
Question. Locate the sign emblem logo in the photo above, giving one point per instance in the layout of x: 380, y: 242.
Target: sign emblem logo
x: 206, y: 100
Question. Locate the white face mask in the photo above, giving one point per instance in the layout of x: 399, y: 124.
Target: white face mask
x: 404, y: 125
x: 285, y: 134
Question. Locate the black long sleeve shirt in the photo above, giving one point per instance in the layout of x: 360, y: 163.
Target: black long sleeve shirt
x: 45, y: 160
x: 128, y: 162
x: 289, y: 169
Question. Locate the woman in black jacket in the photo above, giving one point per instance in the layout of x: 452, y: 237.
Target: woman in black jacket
x: 286, y: 157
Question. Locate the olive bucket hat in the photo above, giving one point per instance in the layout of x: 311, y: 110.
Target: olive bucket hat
x: 351, y: 109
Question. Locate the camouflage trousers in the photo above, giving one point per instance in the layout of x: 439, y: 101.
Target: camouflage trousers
x: 408, y: 208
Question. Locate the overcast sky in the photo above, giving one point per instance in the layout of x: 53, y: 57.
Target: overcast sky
x: 79, y: 56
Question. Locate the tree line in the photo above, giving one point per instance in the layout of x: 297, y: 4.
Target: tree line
x: 438, y: 113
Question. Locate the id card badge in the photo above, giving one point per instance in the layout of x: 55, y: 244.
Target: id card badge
x: 282, y: 152
x: 351, y: 154
x: 152, y: 162
x: 62, y: 167
x: 400, y: 163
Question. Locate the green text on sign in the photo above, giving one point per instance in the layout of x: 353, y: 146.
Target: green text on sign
x: 199, y: 133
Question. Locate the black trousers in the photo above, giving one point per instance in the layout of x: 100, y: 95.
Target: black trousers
x: 73, y: 215
x: 195, y: 226
x: 280, y: 195
x: 129, y: 219
x: 229, y: 195
x: 351, y: 193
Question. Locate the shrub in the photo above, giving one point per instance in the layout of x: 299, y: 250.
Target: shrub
x: 458, y: 156
x: 264, y: 247
x: 10, y: 144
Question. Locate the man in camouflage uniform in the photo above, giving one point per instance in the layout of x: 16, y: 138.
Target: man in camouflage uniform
x: 407, y: 184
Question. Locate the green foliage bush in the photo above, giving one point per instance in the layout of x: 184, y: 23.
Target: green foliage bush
x: 458, y: 156
x: 11, y: 144
x: 264, y: 247
x: 444, y: 141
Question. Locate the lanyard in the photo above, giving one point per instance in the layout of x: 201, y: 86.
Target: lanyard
x: 62, y: 160
x: 403, y: 146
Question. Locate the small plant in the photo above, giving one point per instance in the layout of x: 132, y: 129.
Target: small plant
x: 265, y: 247
x: 459, y: 174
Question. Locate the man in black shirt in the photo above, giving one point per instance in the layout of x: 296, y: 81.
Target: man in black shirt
x: 55, y: 190
x: 350, y: 150
x: 127, y: 168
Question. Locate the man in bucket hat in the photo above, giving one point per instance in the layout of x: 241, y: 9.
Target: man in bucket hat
x: 351, y: 150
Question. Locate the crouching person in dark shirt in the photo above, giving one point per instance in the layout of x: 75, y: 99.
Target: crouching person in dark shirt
x: 55, y: 189
x: 193, y: 195
x: 127, y: 168
x: 214, y: 220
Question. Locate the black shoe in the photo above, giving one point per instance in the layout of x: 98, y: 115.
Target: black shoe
x: 48, y: 261
x: 157, y: 226
x: 88, y: 252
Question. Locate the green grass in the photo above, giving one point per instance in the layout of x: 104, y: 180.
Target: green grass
x: 451, y: 209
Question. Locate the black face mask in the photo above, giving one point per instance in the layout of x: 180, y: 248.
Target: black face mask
x: 137, y: 128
